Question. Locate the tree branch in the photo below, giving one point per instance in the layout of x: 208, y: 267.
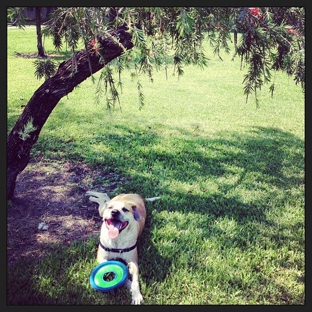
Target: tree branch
x: 70, y: 73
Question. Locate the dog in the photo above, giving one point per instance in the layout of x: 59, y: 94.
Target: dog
x: 123, y: 222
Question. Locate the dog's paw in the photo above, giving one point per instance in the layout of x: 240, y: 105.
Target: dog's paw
x: 136, y: 299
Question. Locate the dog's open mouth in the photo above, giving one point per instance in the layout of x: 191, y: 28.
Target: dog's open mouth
x: 115, y: 227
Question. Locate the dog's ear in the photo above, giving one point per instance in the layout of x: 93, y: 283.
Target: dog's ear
x: 136, y: 213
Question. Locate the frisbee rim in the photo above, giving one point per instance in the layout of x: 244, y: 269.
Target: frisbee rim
x: 111, y: 266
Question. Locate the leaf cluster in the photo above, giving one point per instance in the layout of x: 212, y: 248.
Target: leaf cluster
x: 16, y: 17
x: 44, y: 68
x: 272, y: 39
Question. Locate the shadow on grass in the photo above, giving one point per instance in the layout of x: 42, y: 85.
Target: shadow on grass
x: 60, y: 278
x: 60, y: 56
x: 266, y: 162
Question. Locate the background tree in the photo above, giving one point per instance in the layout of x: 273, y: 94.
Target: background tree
x: 40, y: 48
x: 17, y: 17
x: 271, y: 39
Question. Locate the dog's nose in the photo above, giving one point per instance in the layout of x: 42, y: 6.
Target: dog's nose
x: 115, y: 212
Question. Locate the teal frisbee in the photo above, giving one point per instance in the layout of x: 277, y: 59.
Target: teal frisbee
x: 108, y: 275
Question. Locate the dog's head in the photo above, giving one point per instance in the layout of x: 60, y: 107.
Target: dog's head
x: 120, y: 217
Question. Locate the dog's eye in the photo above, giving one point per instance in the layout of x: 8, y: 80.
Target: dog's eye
x: 125, y: 209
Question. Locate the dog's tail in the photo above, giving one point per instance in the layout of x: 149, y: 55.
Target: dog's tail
x: 151, y: 199
x: 99, y: 198
x: 102, y: 198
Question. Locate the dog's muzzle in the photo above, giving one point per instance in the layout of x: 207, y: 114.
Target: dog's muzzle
x: 114, y: 225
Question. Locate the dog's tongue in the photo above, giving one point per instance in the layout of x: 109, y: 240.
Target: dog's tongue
x: 114, y: 226
x: 113, y: 231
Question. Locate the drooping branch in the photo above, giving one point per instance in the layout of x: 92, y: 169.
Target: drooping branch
x: 70, y: 73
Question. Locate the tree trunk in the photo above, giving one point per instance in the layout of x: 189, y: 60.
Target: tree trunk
x: 39, y: 35
x: 235, y: 38
x: 70, y: 73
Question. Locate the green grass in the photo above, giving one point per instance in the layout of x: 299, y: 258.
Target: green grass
x: 230, y: 226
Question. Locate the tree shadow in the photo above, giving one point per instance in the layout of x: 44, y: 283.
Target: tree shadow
x: 54, y: 278
x: 273, y: 156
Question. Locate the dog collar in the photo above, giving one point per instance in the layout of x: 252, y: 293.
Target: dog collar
x: 118, y: 249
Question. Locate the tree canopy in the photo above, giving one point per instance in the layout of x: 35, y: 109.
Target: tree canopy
x: 271, y: 38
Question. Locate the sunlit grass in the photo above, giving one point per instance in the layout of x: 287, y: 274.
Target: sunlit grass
x: 229, y: 228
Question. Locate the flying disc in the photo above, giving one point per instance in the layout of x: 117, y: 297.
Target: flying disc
x: 115, y: 270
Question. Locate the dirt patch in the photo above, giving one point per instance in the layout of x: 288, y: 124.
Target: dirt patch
x: 35, y: 55
x: 54, y: 194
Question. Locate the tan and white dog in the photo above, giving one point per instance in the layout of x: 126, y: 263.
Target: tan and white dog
x: 123, y: 222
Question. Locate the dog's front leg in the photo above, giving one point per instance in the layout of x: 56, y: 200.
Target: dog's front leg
x: 134, y: 284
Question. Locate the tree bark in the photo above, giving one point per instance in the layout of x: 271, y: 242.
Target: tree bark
x: 39, y: 34
x: 235, y: 38
x: 70, y: 73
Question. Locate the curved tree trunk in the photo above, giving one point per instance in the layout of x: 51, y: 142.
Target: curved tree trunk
x: 69, y: 74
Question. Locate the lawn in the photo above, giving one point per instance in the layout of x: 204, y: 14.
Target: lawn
x: 230, y: 225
